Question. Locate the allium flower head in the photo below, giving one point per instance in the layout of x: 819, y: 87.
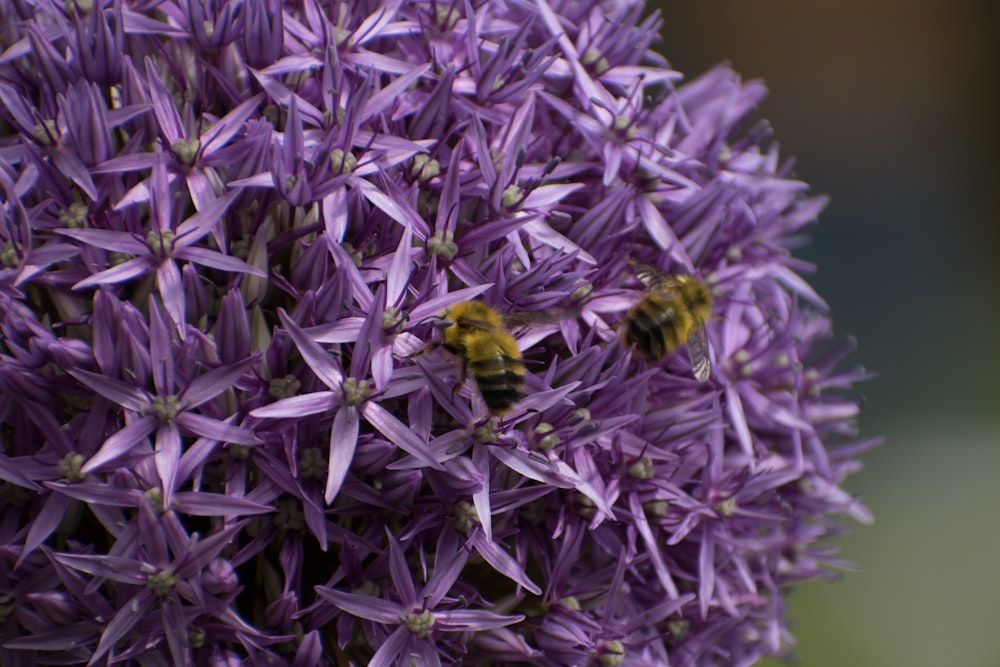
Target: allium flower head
x: 229, y: 231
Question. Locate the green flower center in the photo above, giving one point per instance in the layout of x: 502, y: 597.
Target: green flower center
x: 424, y: 167
x: 162, y: 582
x: 356, y: 392
x: 466, y: 516
x: 443, y: 245
x: 74, y: 216
x: 8, y: 255
x: 69, y: 467
x: 642, y: 469
x: 186, y: 150
x: 612, y: 654
x: 342, y: 162
x: 312, y: 464
x: 421, y: 623
x: 160, y: 241
x: 166, y: 408
x: 289, y: 516
x: 284, y: 387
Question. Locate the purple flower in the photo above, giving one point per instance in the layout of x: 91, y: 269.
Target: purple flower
x: 229, y: 233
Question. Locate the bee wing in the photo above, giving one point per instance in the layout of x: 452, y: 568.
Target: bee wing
x: 548, y: 316
x: 656, y: 280
x: 698, y: 351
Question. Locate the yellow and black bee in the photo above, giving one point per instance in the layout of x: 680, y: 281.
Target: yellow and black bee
x: 672, y: 312
x: 479, y: 338
x: 476, y: 335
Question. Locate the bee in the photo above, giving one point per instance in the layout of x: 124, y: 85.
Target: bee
x: 477, y: 336
x: 672, y: 312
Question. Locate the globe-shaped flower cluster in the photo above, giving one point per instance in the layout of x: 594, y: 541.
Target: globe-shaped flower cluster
x: 229, y: 230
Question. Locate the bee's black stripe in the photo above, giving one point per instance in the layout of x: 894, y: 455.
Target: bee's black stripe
x: 652, y: 328
x: 499, y: 379
x: 499, y: 400
x: 495, y: 364
x: 636, y: 333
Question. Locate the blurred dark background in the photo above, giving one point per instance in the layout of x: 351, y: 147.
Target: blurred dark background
x: 891, y: 108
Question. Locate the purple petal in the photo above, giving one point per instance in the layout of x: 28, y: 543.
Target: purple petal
x: 200, y: 188
x: 319, y: 360
x: 449, y: 559
x: 64, y: 640
x: 734, y: 407
x: 335, y: 215
x: 124, y: 570
x: 195, y: 456
x: 706, y: 569
x: 108, y: 240
x: 541, y: 231
x: 164, y: 109
x: 139, y: 194
x: 132, y: 268
x: 341, y: 331
x: 41, y: 258
x: 202, y: 222
x: 363, y: 606
x: 261, y: 180
x: 481, y: 497
x: 200, y: 503
x: 99, y: 494
x: 391, y: 93
x: 230, y: 124
x: 382, y: 363
x: 283, y: 96
x: 398, y: 433
x: 652, y: 546
x: 402, y: 582
x: 298, y: 406
x: 73, y: 168
x: 502, y: 562
x: 161, y: 352
x: 392, y: 648
x: 661, y: 232
x: 214, y: 429
x: 343, y: 439
x: 207, y: 386
x: 167, y: 454
x: 398, y: 276
x: 125, y: 163
x: 398, y: 209
x: 175, y: 629
x: 11, y: 472
x: 125, y: 395
x: 43, y: 524
x: 473, y: 619
x: 216, y: 260
x: 128, y: 615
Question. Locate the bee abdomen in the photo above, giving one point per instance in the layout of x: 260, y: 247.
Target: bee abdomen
x: 655, y: 328
x: 499, y: 380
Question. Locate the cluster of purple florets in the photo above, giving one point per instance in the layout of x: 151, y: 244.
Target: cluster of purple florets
x: 227, y: 229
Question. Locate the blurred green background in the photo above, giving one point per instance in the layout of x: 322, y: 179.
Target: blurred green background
x: 891, y: 107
